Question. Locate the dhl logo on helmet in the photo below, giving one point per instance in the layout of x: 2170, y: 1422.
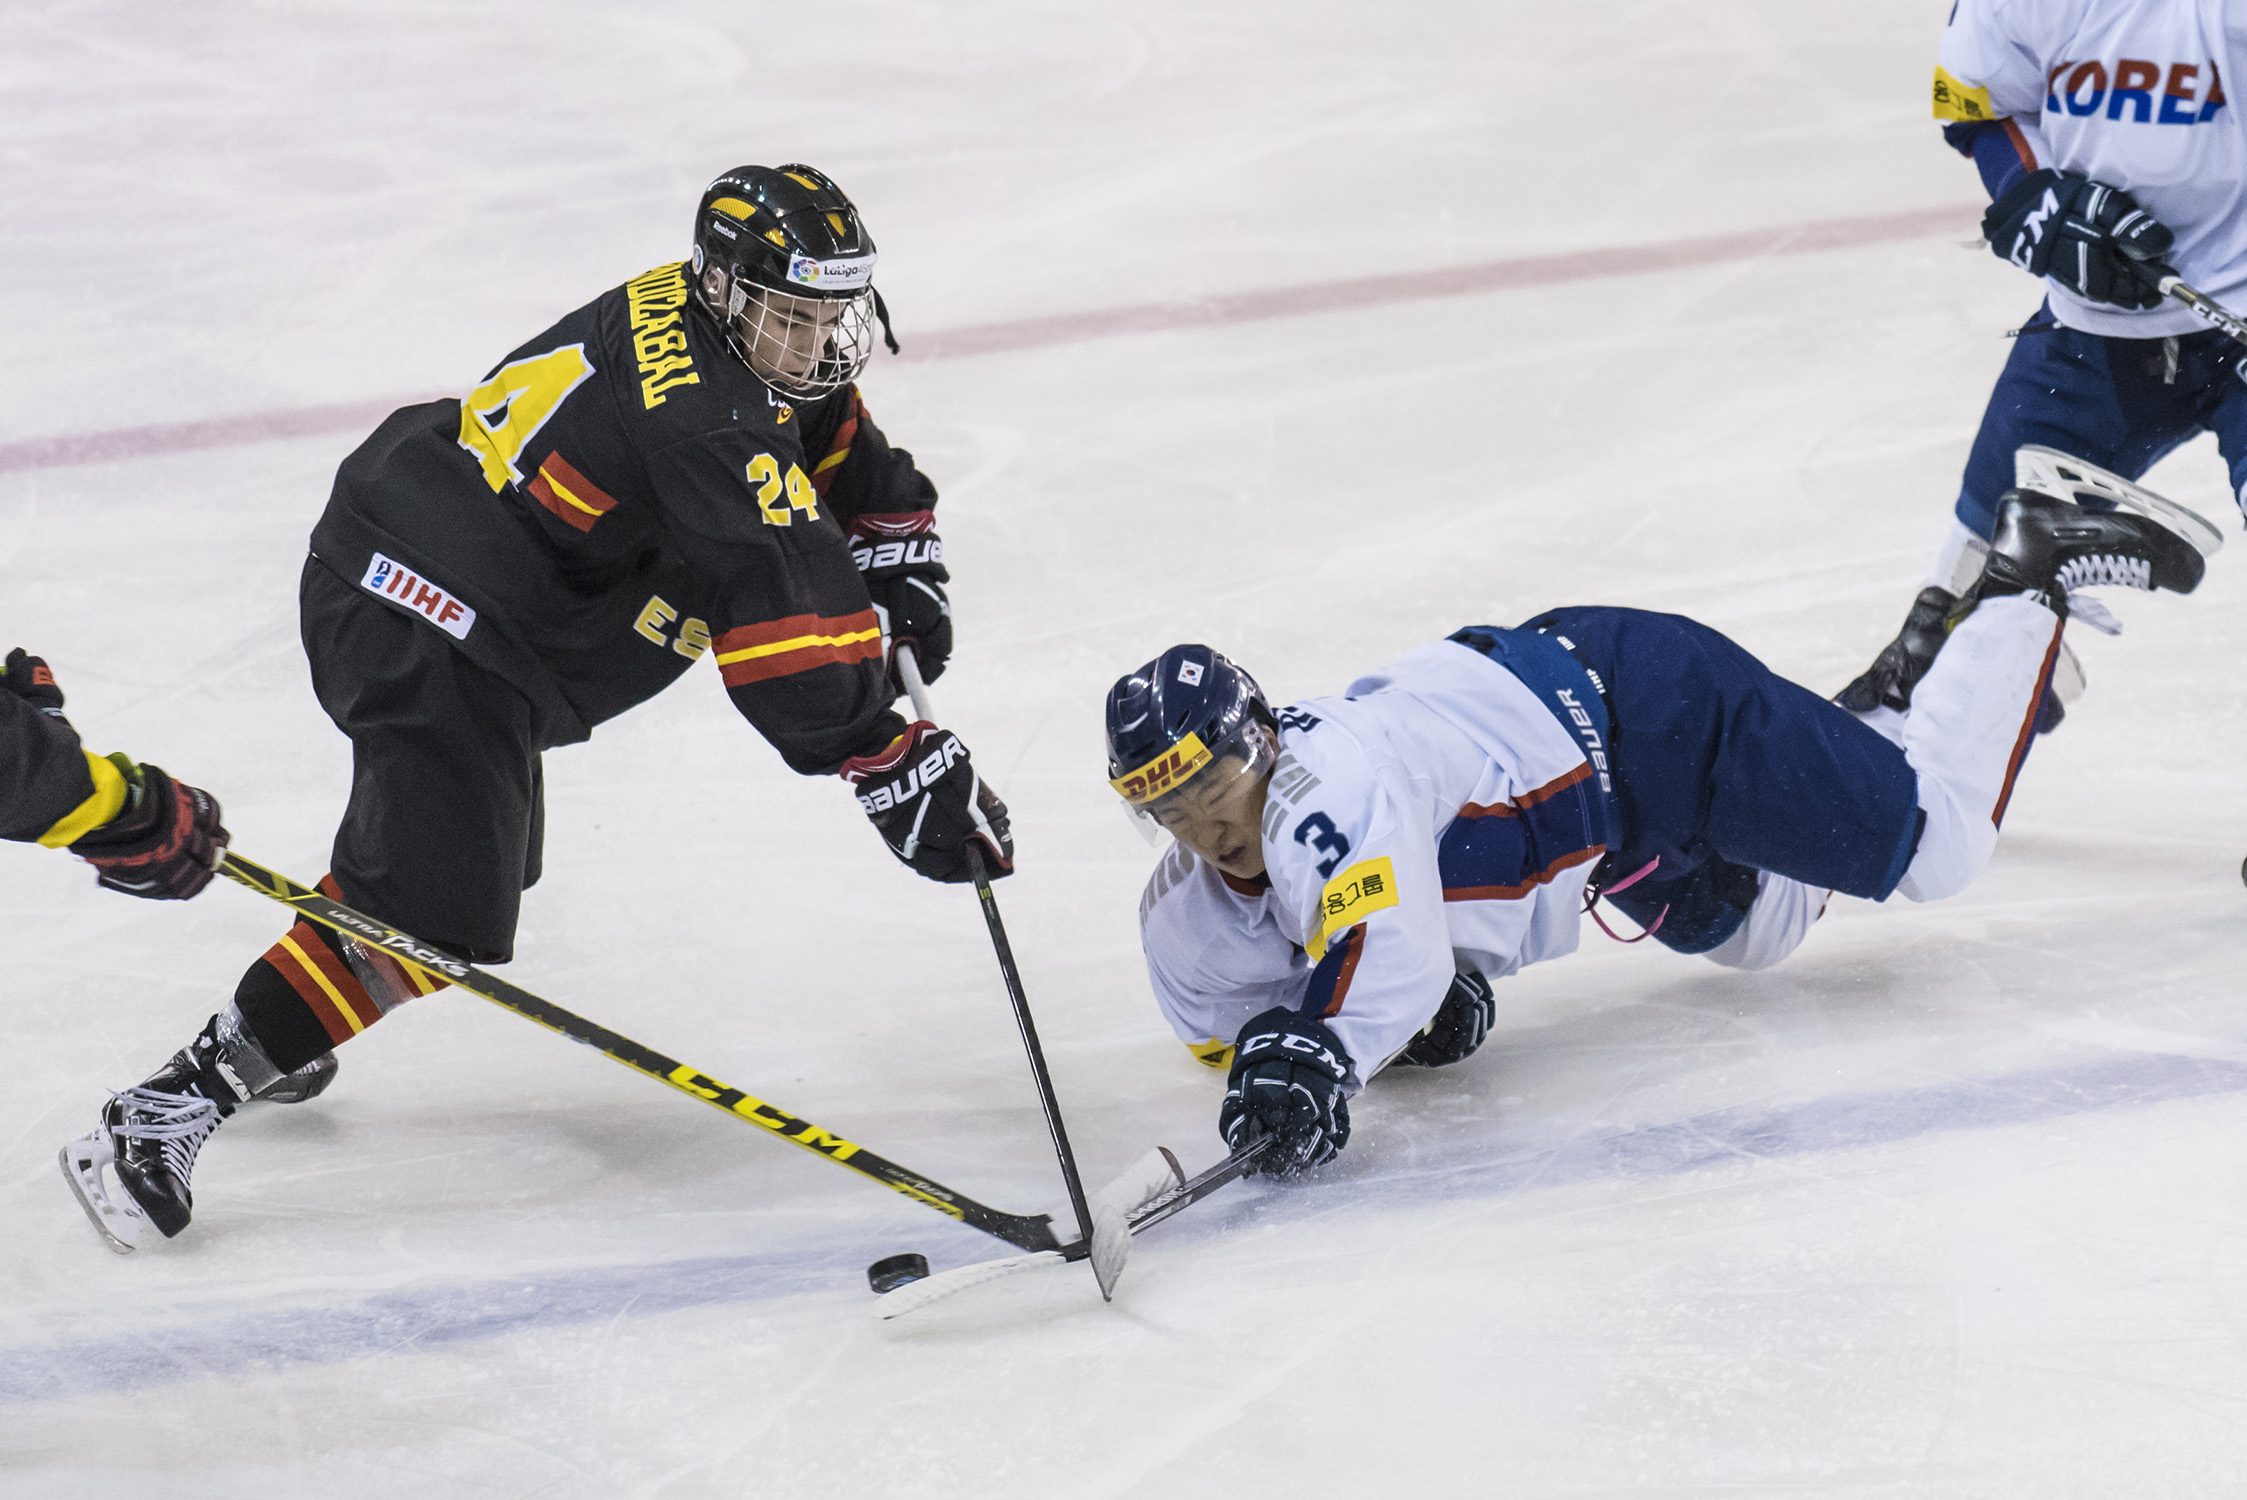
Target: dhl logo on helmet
x: 1165, y: 774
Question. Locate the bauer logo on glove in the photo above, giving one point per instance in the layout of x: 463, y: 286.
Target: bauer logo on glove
x: 911, y: 552
x: 928, y: 804
x: 945, y: 750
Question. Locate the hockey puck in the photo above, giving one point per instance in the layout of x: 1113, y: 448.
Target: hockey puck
x: 893, y: 1271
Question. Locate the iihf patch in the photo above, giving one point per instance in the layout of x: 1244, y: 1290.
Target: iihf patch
x: 400, y: 584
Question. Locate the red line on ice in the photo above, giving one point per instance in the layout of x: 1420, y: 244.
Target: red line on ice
x: 1218, y: 310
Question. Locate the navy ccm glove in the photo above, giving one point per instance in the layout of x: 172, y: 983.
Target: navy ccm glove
x: 2093, y: 239
x: 1287, y: 1087
x: 1460, y: 1025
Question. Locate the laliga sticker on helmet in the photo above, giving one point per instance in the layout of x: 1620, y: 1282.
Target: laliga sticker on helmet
x: 840, y: 274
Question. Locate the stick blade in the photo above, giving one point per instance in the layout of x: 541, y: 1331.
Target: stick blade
x: 1151, y: 1177
x: 915, y: 1295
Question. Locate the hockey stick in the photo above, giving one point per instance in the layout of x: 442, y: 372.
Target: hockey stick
x: 1156, y: 1202
x: 1107, y: 1237
x: 1171, y: 1198
x: 1023, y: 1231
x: 2169, y: 284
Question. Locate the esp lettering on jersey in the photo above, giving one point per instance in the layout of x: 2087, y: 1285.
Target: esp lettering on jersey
x: 392, y: 580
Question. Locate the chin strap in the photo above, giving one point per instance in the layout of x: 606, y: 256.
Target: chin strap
x: 881, y: 314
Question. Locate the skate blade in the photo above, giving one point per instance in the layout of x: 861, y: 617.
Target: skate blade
x: 123, y: 1228
x: 2048, y: 471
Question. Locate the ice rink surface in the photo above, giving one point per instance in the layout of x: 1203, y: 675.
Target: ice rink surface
x: 1309, y: 330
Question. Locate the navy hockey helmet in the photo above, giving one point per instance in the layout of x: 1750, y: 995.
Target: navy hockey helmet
x: 784, y: 263
x: 1185, y: 711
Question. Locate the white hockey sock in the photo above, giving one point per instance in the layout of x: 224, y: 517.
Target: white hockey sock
x: 1775, y: 926
x: 1958, y: 561
x: 1971, y: 720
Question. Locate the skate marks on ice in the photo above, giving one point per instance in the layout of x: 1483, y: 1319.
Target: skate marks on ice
x: 1511, y: 1158
x: 1210, y: 310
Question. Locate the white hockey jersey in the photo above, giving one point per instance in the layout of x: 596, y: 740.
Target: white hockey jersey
x: 2131, y: 94
x: 1436, y: 815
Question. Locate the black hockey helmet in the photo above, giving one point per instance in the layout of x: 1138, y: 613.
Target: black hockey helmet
x: 1177, y: 716
x: 783, y: 262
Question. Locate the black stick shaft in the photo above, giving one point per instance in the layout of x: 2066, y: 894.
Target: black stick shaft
x: 1029, y: 1028
x: 1029, y: 1232
x: 2210, y: 311
x: 909, y: 671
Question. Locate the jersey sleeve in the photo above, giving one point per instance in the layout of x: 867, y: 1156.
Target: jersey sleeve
x: 856, y: 471
x: 2001, y: 150
x: 51, y: 790
x: 793, y: 631
x: 1989, y: 67
x: 1215, y: 959
x: 1362, y: 876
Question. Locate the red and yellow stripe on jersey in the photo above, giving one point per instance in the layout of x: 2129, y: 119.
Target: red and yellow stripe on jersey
x: 838, y: 451
x: 570, y: 496
x: 797, y: 643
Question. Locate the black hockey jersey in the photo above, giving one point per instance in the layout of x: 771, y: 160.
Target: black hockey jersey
x: 621, y: 495
x: 51, y: 791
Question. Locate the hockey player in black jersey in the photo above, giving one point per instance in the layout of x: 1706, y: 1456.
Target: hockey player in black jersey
x: 684, y: 466
x: 144, y: 833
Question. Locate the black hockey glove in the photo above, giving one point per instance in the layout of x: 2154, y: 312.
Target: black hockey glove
x: 28, y: 677
x: 1460, y: 1025
x: 2091, y: 238
x: 901, y: 559
x: 163, y: 846
x: 927, y: 803
x: 1286, y: 1086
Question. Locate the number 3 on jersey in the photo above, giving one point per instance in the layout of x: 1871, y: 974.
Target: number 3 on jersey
x: 764, y: 473
x: 1317, y: 832
x: 504, y: 413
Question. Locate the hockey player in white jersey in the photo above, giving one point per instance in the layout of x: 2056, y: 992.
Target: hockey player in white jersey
x: 2110, y: 152
x: 1350, y: 872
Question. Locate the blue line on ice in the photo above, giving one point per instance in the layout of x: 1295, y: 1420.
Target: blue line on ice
x: 426, y: 1316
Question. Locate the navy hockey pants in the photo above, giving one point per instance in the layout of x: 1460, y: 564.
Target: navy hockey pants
x: 2119, y: 403
x: 1722, y: 768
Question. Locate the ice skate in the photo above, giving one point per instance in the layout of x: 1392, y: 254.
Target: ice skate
x: 2051, y: 547
x: 133, y: 1173
x: 1889, y: 681
x: 1885, y: 687
x: 2048, y: 471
